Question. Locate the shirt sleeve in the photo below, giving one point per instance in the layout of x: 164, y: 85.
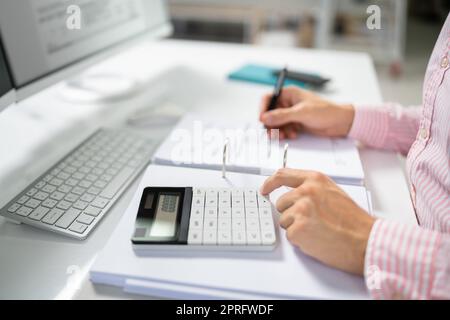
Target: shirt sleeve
x: 407, y: 262
x: 390, y: 127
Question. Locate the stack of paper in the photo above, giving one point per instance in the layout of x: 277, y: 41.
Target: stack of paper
x: 199, y: 142
x: 282, y: 273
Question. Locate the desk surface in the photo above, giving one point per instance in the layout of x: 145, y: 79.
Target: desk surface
x: 190, y: 75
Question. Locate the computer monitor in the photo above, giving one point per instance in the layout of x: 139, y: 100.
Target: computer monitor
x: 6, y: 87
x: 47, y: 41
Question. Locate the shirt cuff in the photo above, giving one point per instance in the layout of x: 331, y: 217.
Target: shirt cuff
x: 370, y: 125
x: 400, y: 261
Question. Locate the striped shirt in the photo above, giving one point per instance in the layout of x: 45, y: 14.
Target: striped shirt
x: 406, y: 261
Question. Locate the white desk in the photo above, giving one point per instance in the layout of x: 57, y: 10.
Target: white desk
x: 36, y: 133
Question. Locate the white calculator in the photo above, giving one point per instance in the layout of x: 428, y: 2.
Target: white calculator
x: 204, y: 218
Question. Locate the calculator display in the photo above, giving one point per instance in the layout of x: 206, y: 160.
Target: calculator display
x: 165, y: 222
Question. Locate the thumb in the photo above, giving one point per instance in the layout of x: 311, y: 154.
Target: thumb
x: 281, y: 116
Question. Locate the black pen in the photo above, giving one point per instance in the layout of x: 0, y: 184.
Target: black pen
x: 278, y: 90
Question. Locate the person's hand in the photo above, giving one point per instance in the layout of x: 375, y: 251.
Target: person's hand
x: 321, y: 219
x: 303, y: 111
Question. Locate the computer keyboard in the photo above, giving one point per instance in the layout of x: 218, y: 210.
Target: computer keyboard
x: 241, y: 218
x: 74, y: 195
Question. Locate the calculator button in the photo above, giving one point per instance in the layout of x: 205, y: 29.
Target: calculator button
x: 238, y: 224
x: 197, y: 212
x: 199, y: 192
x: 195, y: 237
x: 211, y: 212
x: 252, y: 223
x: 265, y: 213
x: 253, y: 237
x: 268, y: 237
x: 225, y: 213
x: 251, y: 213
x: 211, y: 201
x: 210, y: 237
x: 250, y: 202
x: 237, y: 202
x: 224, y: 224
x: 237, y: 193
x: 267, y: 224
x: 210, y: 224
x: 224, y: 237
x: 238, y: 238
x: 263, y: 202
x: 196, y: 223
x: 198, y: 201
x: 238, y: 213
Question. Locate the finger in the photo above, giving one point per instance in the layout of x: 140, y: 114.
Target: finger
x: 264, y: 105
x: 286, y: 220
x: 284, y: 177
x: 278, y: 117
x: 287, y: 200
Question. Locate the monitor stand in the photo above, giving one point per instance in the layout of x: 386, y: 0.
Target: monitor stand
x: 99, y: 88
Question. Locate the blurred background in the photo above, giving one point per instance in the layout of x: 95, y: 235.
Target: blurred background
x: 400, y: 49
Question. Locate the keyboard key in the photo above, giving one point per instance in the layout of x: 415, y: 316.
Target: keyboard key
x: 14, y: 207
x: 100, y: 184
x: 67, y: 218
x: 81, y: 205
x: 265, y: 212
x: 195, y: 237
x: 250, y: 202
x: 86, y: 219
x: 198, y: 192
x: 78, y: 227
x: 47, y: 178
x: 106, y: 177
x: 23, y: 199
x: 24, y: 211
x: 64, y: 205
x: 41, y: 195
x: 85, y: 184
x: 237, y: 202
x: 100, y: 202
x: 56, y: 182
x: 267, y: 224
x: 33, y: 203
x: 110, y: 191
x: 78, y: 175
x: 92, y: 211
x: 73, y: 182
x: 91, y: 177
x: 49, y: 203
x: 87, y: 197
x: 78, y: 191
x: 263, y: 202
x: 38, y: 213
x: 198, y: 201
x: 63, y: 176
x: 57, y: 195
x: 49, y: 188
x: 32, y: 192
x: 40, y: 185
x: 53, y: 216
x: 71, y: 197
x: 237, y: 193
x: 65, y: 188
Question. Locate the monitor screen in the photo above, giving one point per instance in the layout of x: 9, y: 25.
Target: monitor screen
x: 45, y: 36
x: 5, y: 81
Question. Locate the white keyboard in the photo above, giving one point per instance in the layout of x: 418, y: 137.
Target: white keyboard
x: 74, y: 195
x: 233, y: 218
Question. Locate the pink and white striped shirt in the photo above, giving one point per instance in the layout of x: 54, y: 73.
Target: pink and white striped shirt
x: 413, y: 262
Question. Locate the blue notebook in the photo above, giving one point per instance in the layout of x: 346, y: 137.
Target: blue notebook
x: 261, y: 74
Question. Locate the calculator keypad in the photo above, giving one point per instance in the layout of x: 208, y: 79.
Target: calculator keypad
x: 235, y: 217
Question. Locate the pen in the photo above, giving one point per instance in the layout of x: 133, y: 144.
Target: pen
x: 278, y: 90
